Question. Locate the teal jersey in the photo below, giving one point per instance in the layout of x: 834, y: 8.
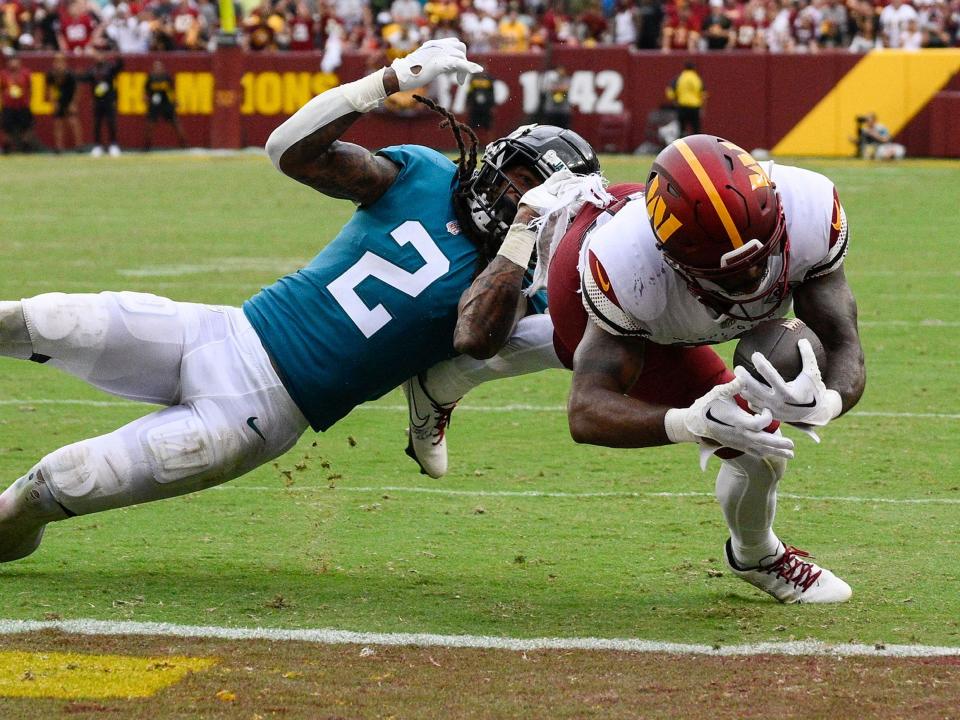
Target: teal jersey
x: 379, y: 303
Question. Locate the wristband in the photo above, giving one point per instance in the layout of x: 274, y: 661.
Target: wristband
x: 676, y: 428
x: 366, y: 93
x: 517, y: 246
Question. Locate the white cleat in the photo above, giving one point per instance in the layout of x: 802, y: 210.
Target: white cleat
x: 25, y: 509
x: 114, y: 151
x: 429, y: 421
x: 97, y: 151
x: 790, y: 578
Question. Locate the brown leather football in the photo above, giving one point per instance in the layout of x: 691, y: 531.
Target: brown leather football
x: 777, y: 340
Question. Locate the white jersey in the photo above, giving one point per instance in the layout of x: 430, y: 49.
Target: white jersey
x: 628, y: 289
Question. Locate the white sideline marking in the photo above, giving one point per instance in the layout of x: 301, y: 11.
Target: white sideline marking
x: 514, y: 407
x: 575, y: 496
x: 926, y: 322
x: 329, y: 636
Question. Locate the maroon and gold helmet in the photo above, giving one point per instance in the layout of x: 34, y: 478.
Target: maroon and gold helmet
x: 719, y: 223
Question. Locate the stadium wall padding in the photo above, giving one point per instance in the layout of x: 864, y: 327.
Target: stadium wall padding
x: 791, y: 104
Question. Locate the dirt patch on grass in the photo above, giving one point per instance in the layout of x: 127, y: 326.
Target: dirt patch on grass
x: 263, y: 679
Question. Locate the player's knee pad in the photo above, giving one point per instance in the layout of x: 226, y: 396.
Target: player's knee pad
x: 182, y: 449
x: 67, y: 326
x: 85, y: 479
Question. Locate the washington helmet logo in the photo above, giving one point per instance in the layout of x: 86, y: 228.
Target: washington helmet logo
x: 758, y: 178
x: 664, y: 224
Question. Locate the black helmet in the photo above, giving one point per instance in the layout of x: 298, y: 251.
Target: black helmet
x: 483, y: 206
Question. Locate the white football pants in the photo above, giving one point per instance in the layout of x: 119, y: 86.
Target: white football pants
x: 227, y: 410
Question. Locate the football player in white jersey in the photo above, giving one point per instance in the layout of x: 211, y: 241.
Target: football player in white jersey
x: 638, y: 291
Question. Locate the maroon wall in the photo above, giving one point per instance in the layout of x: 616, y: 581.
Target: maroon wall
x: 754, y: 99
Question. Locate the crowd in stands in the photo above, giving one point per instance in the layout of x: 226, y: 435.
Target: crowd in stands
x: 395, y: 27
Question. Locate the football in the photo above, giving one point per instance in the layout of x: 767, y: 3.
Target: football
x: 777, y: 340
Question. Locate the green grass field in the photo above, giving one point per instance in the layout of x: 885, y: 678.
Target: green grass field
x: 345, y: 533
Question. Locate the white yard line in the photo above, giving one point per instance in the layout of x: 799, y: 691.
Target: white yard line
x: 328, y: 636
x: 512, y: 407
x: 570, y: 495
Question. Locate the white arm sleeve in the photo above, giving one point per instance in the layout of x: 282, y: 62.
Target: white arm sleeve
x: 359, y: 96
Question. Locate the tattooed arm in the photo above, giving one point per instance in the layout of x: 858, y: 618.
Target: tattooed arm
x: 491, y: 307
x: 321, y: 161
x: 307, y: 147
x: 826, y: 304
x: 599, y: 412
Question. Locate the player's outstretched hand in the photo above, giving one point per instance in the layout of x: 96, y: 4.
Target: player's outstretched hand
x: 716, y: 419
x: 432, y: 59
x: 804, y: 401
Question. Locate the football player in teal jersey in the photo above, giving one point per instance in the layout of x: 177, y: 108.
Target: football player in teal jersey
x: 377, y: 306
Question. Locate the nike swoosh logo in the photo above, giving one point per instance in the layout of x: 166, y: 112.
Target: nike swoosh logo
x: 839, y: 223
x: 604, y: 284
x: 417, y: 420
x: 711, y: 418
x: 252, y: 422
x: 812, y: 403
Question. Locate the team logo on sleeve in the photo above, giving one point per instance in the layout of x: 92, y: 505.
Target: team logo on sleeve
x: 837, y: 220
x: 601, y: 278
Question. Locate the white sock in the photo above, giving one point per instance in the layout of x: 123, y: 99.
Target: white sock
x: 747, y: 492
x: 14, y: 338
x: 528, y: 350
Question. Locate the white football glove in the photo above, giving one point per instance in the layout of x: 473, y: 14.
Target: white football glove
x: 434, y: 58
x: 715, y: 421
x: 804, y: 402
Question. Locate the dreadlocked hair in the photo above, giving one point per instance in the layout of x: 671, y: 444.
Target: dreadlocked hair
x: 466, y: 165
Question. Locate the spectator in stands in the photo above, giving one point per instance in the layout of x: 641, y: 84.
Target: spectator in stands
x: 594, y: 24
x: 688, y: 95
x: 864, y: 22
x: 750, y: 23
x: 262, y: 26
x: 651, y: 21
x: 16, y: 119
x: 833, y: 24
x: 717, y: 29
x: 161, y: 104
x: 304, y: 28
x: 102, y: 77
x: 513, y: 33
x: 404, y: 12
x: 479, y: 30
x: 626, y: 23
x: 912, y: 36
x: 894, y: 19
x: 188, y: 27
x: 62, y: 94
x: 778, y: 35
x: 76, y: 27
x: 681, y: 30
x: 124, y: 32
x: 805, y: 26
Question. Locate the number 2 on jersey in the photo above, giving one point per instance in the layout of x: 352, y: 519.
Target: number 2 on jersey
x: 370, y: 320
